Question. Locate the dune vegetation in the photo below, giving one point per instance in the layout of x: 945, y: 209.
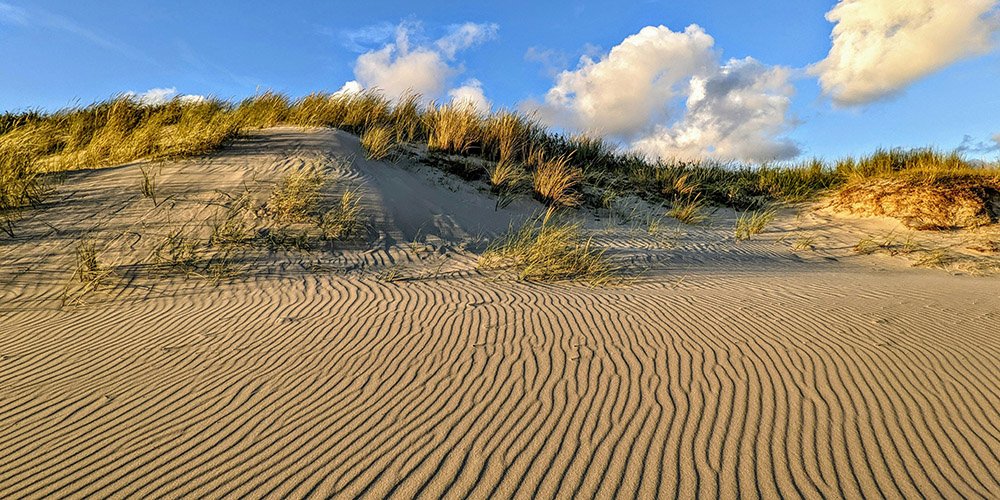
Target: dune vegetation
x: 925, y: 188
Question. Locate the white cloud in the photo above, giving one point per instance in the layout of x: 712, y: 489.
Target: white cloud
x: 471, y: 94
x: 736, y: 110
x: 881, y: 46
x: 740, y: 112
x: 357, y: 40
x: 397, y: 72
x: 463, y: 36
x: 351, y: 87
x: 410, y: 65
x: 162, y: 95
x: 628, y: 90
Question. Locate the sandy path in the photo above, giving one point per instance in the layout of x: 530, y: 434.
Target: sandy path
x: 759, y: 374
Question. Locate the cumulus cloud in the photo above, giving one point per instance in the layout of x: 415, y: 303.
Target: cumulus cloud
x: 470, y: 94
x: 351, y: 87
x: 739, y: 112
x: 667, y: 94
x: 162, y: 95
x: 880, y: 46
x: 410, y: 65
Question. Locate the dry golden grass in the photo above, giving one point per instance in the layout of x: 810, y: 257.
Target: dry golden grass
x: 452, y: 129
x: 505, y: 175
x: 554, y: 182
x: 962, y: 201
x: 406, y: 119
x: 263, y: 110
x: 924, y: 188
x: 20, y: 185
x: 506, y: 136
x: 753, y: 223
x: 378, y: 142
x: 296, y: 197
x: 548, y: 250
x: 689, y: 210
x: 344, y: 219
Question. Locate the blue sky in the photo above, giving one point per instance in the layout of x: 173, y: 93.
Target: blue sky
x: 924, y: 89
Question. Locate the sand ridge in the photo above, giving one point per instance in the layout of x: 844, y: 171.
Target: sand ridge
x: 724, y: 370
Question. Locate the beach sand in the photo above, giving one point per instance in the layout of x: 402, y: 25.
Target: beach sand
x: 391, y: 366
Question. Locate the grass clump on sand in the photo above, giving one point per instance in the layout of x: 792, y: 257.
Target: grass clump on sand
x: 923, y: 188
x: 296, y: 196
x: 377, y: 142
x: 20, y: 185
x: 122, y: 130
x: 690, y: 210
x: 344, y: 219
x: 453, y: 128
x: 753, y: 223
x: 555, y: 182
x: 548, y: 250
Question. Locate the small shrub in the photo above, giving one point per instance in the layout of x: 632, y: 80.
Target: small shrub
x: 752, y: 223
x: 547, y: 250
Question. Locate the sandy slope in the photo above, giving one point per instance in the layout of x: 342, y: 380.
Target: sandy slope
x: 725, y: 369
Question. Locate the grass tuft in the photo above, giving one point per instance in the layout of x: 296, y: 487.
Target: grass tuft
x: 689, y: 210
x: 343, y: 220
x: 554, y: 182
x: 453, y: 129
x: 148, y: 183
x: 21, y: 185
x: 377, y: 142
x: 753, y: 223
x: 296, y: 197
x: 548, y: 250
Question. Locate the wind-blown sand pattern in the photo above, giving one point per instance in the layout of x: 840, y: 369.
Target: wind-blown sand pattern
x: 724, y: 370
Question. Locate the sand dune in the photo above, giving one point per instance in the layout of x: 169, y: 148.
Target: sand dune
x: 723, y: 370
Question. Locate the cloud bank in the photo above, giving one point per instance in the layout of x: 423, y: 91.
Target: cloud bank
x: 408, y: 64
x: 881, y: 46
x: 971, y: 145
x: 162, y: 95
x: 667, y: 94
